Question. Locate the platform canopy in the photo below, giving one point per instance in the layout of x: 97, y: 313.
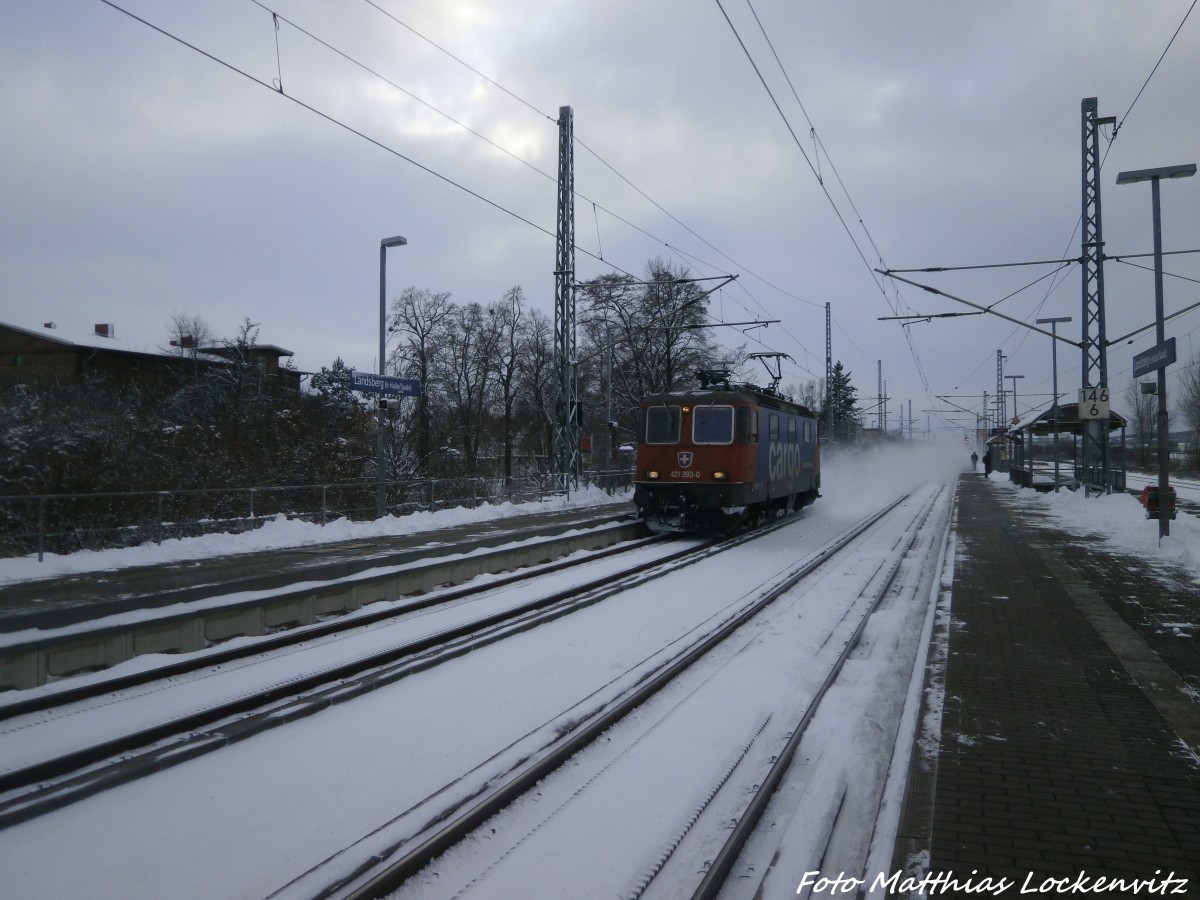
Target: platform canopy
x: 1068, y: 421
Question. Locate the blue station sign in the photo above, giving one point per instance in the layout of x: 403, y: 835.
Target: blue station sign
x: 385, y: 384
x: 1158, y: 357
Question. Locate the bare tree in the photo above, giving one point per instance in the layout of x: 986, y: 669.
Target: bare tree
x: 537, y: 384
x: 418, y: 316
x: 1188, y: 403
x: 1143, y: 419
x: 507, y: 318
x: 663, y: 334
x: 468, y: 364
x: 186, y: 334
x: 808, y: 393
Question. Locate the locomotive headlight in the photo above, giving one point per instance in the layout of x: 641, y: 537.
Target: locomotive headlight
x: 651, y: 474
x: 720, y: 476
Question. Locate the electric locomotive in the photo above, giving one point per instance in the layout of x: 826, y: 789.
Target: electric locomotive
x: 712, y: 458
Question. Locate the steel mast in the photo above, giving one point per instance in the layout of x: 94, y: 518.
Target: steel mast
x: 1094, y: 344
x: 566, y: 425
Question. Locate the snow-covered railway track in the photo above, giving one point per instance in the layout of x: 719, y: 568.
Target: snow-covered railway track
x: 57, y: 633
x: 751, y: 819
x: 71, y: 744
x: 13, y: 705
x: 395, y: 855
x: 359, y: 779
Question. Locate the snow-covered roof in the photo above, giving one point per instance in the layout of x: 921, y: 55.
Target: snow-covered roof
x: 1068, y: 420
x: 80, y: 337
x: 222, y: 350
x: 76, y: 336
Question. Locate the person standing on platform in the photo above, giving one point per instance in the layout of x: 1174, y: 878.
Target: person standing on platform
x: 974, y: 460
x: 987, y: 463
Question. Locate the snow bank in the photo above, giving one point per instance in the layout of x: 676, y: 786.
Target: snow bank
x: 280, y: 533
x: 1118, y: 520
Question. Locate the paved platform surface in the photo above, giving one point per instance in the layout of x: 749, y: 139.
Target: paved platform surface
x: 1070, y: 731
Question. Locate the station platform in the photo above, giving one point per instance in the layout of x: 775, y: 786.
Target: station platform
x: 58, y: 601
x: 1069, y: 687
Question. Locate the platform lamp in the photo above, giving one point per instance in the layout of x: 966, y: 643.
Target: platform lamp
x: 1053, y: 323
x: 1154, y: 176
x: 1016, y: 415
x: 380, y: 492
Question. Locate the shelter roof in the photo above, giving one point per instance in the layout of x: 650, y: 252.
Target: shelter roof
x: 1068, y: 421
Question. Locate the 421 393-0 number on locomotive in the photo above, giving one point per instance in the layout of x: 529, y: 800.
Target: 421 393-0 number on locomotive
x: 712, y: 458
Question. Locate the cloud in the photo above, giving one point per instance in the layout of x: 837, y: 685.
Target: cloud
x: 142, y: 177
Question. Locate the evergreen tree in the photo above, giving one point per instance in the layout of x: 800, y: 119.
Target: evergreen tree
x: 841, y: 409
x: 333, y: 384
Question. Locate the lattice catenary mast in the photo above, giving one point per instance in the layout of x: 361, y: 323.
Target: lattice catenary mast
x: 1095, y: 355
x: 566, y: 425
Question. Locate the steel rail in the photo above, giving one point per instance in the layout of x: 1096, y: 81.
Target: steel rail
x: 268, y: 643
x: 371, y: 880
x: 723, y: 862
x: 402, y: 659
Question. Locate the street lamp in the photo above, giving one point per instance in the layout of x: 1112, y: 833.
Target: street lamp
x: 1053, y: 323
x: 1164, y: 451
x: 397, y: 241
x: 1014, y: 378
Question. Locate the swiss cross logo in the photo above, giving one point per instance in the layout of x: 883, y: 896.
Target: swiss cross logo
x: 685, y: 458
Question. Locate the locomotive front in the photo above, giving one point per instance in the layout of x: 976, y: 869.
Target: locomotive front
x: 696, y: 460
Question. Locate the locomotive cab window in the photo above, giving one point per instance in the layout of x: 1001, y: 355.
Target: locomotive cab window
x: 712, y: 425
x: 791, y: 431
x: 662, y: 425
x: 773, y: 427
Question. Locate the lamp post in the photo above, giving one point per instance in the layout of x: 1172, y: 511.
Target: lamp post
x: 1014, y: 378
x: 380, y: 499
x: 1053, y: 323
x: 1164, y: 451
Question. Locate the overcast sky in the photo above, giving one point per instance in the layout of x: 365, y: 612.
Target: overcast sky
x: 142, y: 178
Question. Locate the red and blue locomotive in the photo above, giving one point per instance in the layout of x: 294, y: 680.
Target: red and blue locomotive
x: 712, y: 458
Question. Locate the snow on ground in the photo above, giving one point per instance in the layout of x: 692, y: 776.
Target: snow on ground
x: 185, y: 830
x: 849, y: 479
x: 278, y: 534
x: 1118, y: 519
x: 850, y: 475
x: 219, y: 825
x: 854, y: 485
x: 195, y: 848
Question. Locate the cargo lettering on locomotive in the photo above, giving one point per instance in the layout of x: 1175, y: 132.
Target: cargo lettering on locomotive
x: 785, y: 461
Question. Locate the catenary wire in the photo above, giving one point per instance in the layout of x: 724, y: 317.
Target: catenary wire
x: 581, y: 143
x: 880, y: 285
x: 669, y: 246
x: 672, y: 248
x: 1111, y: 138
x: 1142, y: 89
x: 357, y: 133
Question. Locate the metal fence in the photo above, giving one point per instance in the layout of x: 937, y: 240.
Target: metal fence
x: 64, y: 523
